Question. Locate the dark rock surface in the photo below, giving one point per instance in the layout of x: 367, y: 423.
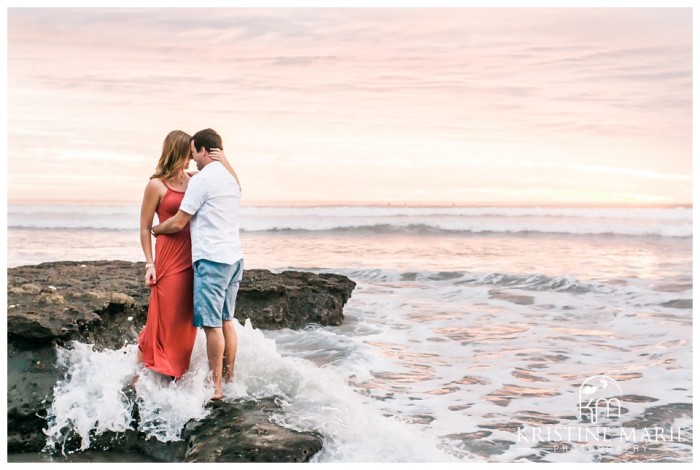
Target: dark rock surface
x: 105, y: 303
x: 31, y: 376
x: 243, y: 432
x: 88, y: 302
x: 240, y: 431
x: 292, y: 299
x: 92, y: 301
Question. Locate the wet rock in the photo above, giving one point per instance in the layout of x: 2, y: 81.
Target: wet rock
x: 292, y: 299
x: 92, y: 301
x: 240, y: 431
x: 31, y: 376
x: 244, y: 432
x: 29, y: 289
x: 105, y: 303
x: 55, y: 303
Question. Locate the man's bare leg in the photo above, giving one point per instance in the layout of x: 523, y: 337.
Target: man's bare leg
x: 230, y: 348
x: 215, y: 354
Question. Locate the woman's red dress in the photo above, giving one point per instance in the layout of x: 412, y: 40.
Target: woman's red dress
x: 167, y: 340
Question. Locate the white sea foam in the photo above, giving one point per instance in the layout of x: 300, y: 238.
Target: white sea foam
x: 165, y: 406
x: 93, y: 398
x: 91, y: 401
x: 318, y: 398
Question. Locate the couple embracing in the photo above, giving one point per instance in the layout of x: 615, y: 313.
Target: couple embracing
x: 198, y: 262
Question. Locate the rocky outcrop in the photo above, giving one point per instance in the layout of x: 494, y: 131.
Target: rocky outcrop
x: 292, y: 299
x: 102, y: 302
x: 105, y: 303
x: 240, y: 431
x: 243, y: 432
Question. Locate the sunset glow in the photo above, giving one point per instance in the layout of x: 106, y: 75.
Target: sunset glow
x: 462, y: 105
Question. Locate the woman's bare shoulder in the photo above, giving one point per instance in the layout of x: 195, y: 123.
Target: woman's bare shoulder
x: 155, y: 186
x: 155, y: 183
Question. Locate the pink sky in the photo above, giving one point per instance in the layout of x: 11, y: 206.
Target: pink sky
x: 423, y: 105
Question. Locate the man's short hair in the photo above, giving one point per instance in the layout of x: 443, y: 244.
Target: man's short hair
x: 207, y: 138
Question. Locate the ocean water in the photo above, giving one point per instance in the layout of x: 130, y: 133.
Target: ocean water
x: 474, y: 334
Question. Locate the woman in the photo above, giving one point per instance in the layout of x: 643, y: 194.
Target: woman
x: 167, y: 340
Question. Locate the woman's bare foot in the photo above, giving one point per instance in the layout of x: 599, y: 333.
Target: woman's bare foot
x: 218, y: 395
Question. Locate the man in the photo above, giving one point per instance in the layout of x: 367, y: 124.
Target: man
x: 211, y: 203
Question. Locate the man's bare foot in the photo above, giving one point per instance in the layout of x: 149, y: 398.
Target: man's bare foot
x: 218, y: 395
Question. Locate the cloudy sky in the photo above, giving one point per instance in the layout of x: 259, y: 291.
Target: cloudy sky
x: 466, y: 105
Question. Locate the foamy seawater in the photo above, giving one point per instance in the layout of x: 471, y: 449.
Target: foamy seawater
x: 459, y: 344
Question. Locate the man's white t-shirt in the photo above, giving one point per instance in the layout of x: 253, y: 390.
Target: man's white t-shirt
x: 213, y: 198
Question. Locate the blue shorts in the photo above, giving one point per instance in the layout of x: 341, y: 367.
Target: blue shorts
x: 215, y: 291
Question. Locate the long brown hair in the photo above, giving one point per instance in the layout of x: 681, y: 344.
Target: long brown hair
x: 176, y: 153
